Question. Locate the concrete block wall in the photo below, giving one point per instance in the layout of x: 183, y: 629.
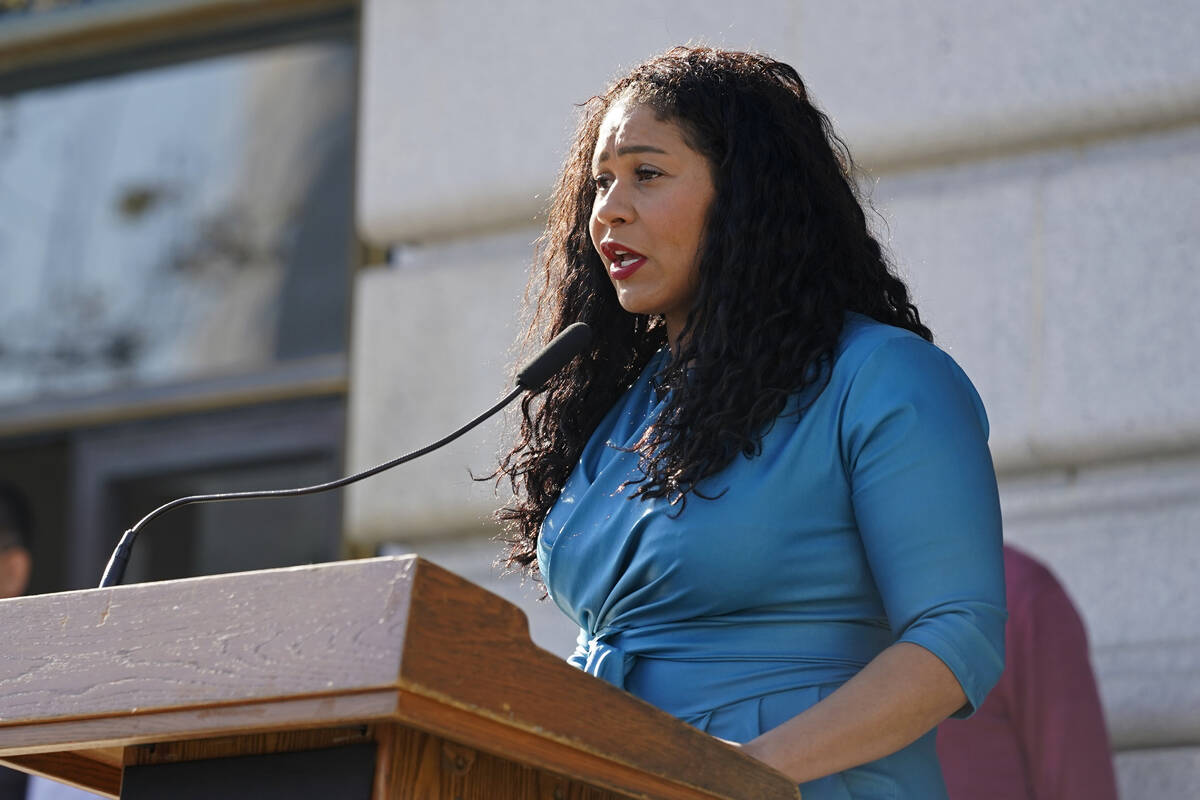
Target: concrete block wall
x: 432, y: 334
x: 1036, y: 168
x: 1067, y: 280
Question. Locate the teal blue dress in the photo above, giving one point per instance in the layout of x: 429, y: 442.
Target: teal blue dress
x: 871, y: 519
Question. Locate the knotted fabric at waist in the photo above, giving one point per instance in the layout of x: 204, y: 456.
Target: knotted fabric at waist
x: 719, y: 658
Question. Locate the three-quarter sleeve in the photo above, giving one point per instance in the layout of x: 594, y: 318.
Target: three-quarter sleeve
x: 914, y: 444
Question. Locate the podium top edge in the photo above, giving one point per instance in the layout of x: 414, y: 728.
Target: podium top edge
x: 409, y: 561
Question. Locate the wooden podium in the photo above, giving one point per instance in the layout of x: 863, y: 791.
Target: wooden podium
x: 382, y: 678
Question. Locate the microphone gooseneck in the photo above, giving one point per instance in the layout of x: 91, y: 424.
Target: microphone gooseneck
x: 553, y: 357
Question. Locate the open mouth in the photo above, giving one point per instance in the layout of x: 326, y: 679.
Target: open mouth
x: 623, y: 261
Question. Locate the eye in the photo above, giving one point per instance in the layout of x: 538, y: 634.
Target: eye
x: 602, y: 182
x: 647, y: 173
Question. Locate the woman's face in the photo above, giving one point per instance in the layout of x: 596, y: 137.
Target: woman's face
x: 653, y: 192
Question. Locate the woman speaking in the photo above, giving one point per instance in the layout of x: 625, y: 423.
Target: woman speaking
x: 763, y: 494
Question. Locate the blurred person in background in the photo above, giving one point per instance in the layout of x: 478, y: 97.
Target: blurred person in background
x: 1040, y: 734
x: 16, y: 526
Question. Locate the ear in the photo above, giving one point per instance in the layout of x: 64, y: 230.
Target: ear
x: 15, y: 566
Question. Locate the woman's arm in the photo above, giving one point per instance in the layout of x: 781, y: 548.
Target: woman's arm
x: 914, y: 443
x: 903, y: 693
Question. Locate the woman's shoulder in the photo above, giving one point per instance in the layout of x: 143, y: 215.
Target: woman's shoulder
x: 880, y: 366
x: 866, y: 342
x: 862, y: 336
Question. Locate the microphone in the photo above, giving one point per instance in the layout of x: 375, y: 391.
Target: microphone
x: 554, y: 356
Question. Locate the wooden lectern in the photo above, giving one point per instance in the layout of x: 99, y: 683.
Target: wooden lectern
x: 382, y: 678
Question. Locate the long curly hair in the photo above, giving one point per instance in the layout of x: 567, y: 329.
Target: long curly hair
x: 785, y: 253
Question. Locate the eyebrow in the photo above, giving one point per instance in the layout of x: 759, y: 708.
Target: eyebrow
x: 633, y: 148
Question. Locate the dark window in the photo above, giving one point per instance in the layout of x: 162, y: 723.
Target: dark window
x: 177, y: 246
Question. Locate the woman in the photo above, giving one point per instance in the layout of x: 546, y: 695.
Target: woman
x: 764, y: 496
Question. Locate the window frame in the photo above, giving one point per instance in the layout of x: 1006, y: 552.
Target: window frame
x: 67, y: 44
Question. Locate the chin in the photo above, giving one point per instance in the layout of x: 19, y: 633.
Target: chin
x: 637, y: 302
x: 637, y: 308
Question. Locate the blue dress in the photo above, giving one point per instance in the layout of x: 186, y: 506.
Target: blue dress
x: 870, y: 519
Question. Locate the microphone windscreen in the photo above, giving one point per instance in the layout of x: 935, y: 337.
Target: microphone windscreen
x: 554, y: 356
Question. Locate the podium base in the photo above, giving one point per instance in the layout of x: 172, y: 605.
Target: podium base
x: 342, y: 772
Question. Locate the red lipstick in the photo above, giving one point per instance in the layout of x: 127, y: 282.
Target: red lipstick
x: 623, y: 261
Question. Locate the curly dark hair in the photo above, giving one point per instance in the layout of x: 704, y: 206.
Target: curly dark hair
x: 785, y: 253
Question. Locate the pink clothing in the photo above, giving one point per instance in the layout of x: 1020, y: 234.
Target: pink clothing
x: 1040, y: 734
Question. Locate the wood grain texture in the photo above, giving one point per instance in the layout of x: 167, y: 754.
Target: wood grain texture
x: 247, y: 745
x: 467, y: 647
x: 113, y: 756
x: 534, y: 749
x: 201, y: 641
x: 122, y: 730
x: 351, y: 642
x: 71, y: 768
x: 414, y: 765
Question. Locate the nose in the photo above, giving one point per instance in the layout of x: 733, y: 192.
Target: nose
x: 614, y: 206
